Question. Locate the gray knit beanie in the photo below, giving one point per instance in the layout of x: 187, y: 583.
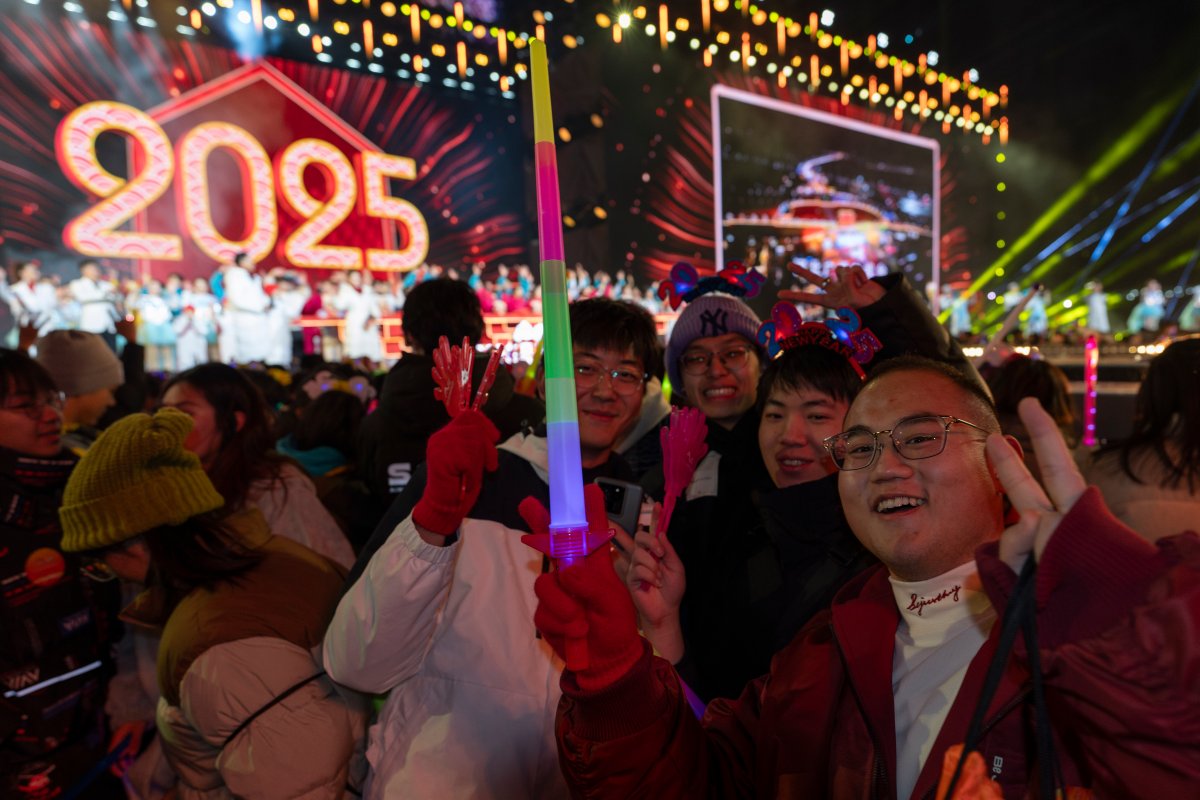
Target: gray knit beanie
x: 709, y: 315
x: 79, y: 362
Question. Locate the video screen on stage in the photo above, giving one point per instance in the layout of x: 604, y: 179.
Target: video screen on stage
x: 161, y: 155
x: 797, y: 185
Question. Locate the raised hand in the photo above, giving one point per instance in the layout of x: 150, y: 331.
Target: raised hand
x: 457, y: 457
x: 656, y: 582
x: 586, y: 604
x: 1040, y: 515
x: 845, y: 287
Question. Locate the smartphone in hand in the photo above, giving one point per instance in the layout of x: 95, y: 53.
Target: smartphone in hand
x: 622, y: 502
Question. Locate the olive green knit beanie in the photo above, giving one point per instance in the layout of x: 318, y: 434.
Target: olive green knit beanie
x: 136, y: 477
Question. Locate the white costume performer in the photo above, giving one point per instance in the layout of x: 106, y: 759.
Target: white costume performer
x: 97, y: 305
x: 361, y: 309
x: 192, y: 327
x: 35, y: 304
x: 246, y: 306
x: 1097, y: 310
x: 288, y: 305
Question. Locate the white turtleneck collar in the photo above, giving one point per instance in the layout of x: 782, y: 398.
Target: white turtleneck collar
x: 943, y: 623
x: 936, y: 609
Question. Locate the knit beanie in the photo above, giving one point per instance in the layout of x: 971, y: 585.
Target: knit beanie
x: 136, y: 477
x: 79, y: 362
x: 709, y: 315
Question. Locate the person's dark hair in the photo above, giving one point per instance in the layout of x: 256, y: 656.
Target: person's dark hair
x: 974, y: 392
x: 274, y: 393
x: 809, y: 367
x: 238, y: 256
x: 332, y: 420
x: 86, y: 262
x: 246, y: 455
x: 441, y: 307
x: 200, y: 552
x: 1166, y: 420
x: 1020, y: 377
x: 617, y: 325
x: 20, y: 374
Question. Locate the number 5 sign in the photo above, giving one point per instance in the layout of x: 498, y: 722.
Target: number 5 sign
x: 256, y: 164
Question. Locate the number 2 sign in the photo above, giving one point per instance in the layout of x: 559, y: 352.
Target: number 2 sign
x: 355, y: 194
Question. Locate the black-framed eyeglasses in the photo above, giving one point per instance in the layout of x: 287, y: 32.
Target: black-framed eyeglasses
x: 697, y: 363
x: 33, y: 406
x: 914, y: 438
x: 623, y: 381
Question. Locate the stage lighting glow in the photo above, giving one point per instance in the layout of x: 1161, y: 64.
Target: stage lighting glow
x: 932, y: 58
x: 624, y: 20
x: 827, y: 17
x: 882, y: 40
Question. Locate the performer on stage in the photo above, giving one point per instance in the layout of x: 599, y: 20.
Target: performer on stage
x: 246, y: 305
x: 288, y: 299
x: 98, y: 299
x: 34, y: 300
x: 1097, y: 309
x: 358, y: 303
x: 1189, y: 318
x: 1037, y: 323
x: 1148, y: 313
x: 1012, y: 296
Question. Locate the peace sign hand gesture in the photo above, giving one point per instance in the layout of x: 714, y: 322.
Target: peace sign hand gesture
x: 1040, y: 515
x: 845, y: 287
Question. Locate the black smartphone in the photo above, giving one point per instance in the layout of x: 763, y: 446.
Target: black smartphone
x: 622, y: 502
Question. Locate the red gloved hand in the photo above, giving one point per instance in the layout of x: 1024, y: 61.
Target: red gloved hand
x: 456, y: 458
x: 586, y: 601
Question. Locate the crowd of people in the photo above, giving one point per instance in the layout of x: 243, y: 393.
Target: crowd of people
x: 242, y: 314
x: 248, y: 582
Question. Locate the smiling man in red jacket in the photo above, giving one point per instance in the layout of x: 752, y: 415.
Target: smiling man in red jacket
x: 867, y: 698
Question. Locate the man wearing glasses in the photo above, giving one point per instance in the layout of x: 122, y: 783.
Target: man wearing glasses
x: 440, y: 607
x: 868, y: 697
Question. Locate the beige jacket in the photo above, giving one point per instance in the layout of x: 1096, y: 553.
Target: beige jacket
x: 1151, y: 508
x: 229, y: 651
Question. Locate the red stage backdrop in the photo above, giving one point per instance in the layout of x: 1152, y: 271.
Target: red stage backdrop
x: 167, y: 156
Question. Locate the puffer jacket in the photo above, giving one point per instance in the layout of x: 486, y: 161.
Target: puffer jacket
x: 449, y: 632
x: 1116, y: 623
x: 228, y: 652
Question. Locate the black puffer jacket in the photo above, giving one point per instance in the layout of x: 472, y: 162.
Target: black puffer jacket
x: 392, y: 439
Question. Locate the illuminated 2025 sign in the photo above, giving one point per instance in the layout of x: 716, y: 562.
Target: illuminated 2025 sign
x: 311, y: 202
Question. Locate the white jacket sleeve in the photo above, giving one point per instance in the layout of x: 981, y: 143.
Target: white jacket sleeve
x: 385, y: 622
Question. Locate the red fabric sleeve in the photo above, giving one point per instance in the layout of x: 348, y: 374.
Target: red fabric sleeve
x: 1119, y: 637
x: 638, y: 738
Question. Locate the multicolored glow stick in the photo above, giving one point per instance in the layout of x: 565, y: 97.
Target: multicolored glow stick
x: 569, y: 539
x: 567, y: 515
x: 1091, y: 360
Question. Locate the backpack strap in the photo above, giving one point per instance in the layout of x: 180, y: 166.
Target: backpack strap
x: 286, y: 693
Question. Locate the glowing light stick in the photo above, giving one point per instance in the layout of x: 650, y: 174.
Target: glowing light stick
x: 569, y: 539
x: 1091, y: 360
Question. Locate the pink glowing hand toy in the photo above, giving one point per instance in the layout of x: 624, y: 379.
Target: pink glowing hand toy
x: 452, y: 373
x: 683, y: 447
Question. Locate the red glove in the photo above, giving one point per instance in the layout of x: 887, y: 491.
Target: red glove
x: 586, y: 602
x: 455, y: 460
